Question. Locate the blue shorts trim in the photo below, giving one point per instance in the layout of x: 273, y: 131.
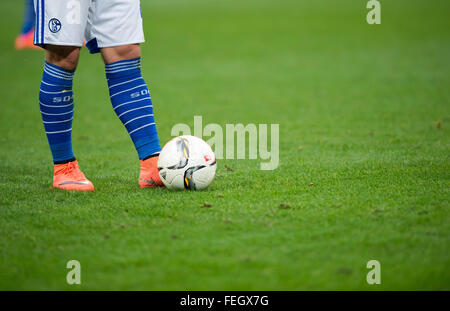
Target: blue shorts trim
x: 92, y: 45
x: 43, y: 21
x: 36, y: 28
x: 39, y: 25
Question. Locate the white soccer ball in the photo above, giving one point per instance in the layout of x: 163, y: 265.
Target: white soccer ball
x: 187, y: 162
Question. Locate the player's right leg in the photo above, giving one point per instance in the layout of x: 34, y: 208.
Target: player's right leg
x: 61, y: 35
x: 56, y: 105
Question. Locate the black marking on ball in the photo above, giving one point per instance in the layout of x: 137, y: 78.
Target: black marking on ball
x: 188, y: 181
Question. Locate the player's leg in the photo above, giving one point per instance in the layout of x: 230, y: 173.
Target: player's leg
x: 25, y: 39
x: 115, y: 29
x: 62, y: 41
x: 57, y: 107
x: 56, y: 100
x: 132, y: 103
x: 63, y: 56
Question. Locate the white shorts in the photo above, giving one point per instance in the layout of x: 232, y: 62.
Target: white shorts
x: 102, y: 23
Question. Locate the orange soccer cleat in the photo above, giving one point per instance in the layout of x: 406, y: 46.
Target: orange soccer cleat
x: 68, y: 176
x: 25, y: 41
x: 149, y: 175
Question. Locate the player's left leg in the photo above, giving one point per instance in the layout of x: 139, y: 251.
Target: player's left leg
x: 132, y: 103
x: 115, y: 29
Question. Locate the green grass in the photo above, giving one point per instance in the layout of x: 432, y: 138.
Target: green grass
x: 362, y: 101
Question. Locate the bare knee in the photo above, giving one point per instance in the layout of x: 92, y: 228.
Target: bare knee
x: 123, y: 52
x: 63, y: 56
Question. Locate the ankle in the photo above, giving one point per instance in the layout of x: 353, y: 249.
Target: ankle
x: 64, y: 161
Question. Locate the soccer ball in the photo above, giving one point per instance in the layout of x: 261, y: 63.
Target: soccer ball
x: 187, y: 162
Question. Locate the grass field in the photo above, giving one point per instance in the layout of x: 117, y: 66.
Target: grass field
x: 364, y: 116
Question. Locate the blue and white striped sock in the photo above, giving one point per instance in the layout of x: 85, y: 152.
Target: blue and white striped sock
x: 131, y: 101
x: 56, y: 104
